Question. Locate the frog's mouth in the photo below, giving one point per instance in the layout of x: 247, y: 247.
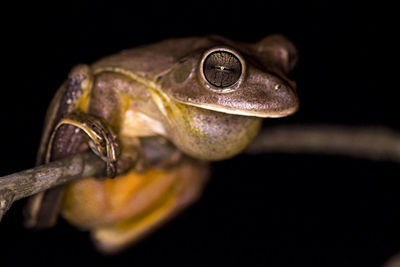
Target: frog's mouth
x: 230, y: 106
x: 263, y: 99
x: 249, y: 113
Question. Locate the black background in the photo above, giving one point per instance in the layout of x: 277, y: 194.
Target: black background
x: 268, y: 210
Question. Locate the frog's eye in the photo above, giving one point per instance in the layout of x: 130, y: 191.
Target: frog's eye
x: 221, y: 68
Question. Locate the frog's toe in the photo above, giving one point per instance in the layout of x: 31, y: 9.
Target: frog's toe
x: 103, y: 142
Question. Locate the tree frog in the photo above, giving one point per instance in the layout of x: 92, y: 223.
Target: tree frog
x: 157, y: 114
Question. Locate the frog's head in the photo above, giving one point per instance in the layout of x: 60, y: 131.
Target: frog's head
x: 218, y: 93
x: 236, y: 78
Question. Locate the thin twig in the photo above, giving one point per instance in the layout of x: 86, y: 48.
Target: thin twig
x: 374, y: 143
x: 29, y: 182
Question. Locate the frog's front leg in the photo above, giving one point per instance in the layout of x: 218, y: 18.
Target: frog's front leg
x: 70, y: 129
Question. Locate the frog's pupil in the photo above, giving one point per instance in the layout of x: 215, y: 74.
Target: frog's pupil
x: 222, y: 69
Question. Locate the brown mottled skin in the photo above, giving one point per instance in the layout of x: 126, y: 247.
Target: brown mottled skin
x: 157, y: 96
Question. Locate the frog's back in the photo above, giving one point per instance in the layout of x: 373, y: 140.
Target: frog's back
x: 153, y: 60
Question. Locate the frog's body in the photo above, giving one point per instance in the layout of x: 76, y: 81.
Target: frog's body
x: 167, y: 108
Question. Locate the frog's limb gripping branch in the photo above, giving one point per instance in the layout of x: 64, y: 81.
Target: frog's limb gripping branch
x: 375, y: 143
x: 32, y: 181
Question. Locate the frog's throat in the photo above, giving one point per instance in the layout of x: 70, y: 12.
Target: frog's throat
x: 161, y: 99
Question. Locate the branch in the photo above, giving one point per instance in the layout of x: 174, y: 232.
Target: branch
x: 371, y: 143
x: 29, y: 182
x: 374, y: 143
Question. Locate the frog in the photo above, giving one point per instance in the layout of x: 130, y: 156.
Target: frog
x: 157, y: 115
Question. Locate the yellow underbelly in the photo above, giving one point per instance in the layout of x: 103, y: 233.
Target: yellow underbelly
x: 120, y: 211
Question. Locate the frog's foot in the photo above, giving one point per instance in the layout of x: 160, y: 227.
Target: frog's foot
x: 102, y: 140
